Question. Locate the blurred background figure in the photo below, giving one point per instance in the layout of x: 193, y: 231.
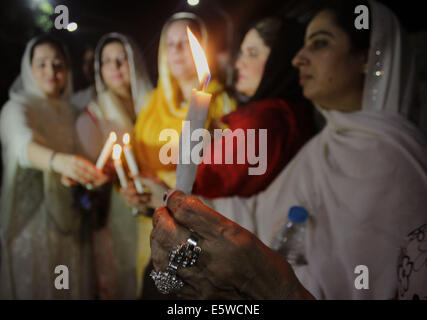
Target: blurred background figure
x: 40, y: 227
x: 81, y: 98
x: 167, y: 106
x: 121, y: 82
x: 271, y: 99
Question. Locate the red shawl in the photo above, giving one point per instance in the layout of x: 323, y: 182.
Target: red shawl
x: 288, y: 126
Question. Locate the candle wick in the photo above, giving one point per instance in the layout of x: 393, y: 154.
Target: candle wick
x: 205, y: 81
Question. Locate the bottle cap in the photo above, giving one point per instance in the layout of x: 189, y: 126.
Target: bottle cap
x: 297, y: 214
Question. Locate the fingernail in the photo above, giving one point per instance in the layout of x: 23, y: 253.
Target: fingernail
x: 167, y: 195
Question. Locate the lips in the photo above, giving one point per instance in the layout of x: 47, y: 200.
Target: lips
x: 240, y: 75
x: 304, y: 78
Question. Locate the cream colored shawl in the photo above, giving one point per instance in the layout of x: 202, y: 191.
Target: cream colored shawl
x: 363, y: 179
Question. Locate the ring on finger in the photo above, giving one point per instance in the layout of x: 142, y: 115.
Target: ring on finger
x: 187, y: 253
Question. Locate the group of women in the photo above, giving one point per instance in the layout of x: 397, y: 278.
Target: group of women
x: 362, y: 178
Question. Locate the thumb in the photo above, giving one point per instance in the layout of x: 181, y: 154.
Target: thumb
x: 190, y: 212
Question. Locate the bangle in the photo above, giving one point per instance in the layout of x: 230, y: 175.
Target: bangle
x: 51, y: 160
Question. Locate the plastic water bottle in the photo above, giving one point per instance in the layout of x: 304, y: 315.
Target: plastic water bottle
x: 290, y: 241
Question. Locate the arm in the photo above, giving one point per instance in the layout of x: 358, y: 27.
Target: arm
x: 72, y: 166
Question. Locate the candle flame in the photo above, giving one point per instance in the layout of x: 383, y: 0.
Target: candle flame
x: 117, y: 150
x: 199, y: 59
x: 126, y: 138
x: 112, y: 136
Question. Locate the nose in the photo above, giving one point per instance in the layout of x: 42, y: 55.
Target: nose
x: 50, y: 70
x: 117, y: 63
x: 239, y: 63
x: 300, y: 58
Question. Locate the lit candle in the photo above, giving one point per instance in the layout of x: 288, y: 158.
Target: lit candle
x: 130, y: 160
x: 106, y: 150
x: 197, y: 115
x: 117, y: 151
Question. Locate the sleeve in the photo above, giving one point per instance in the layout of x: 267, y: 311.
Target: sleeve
x: 15, y: 133
x: 275, y: 150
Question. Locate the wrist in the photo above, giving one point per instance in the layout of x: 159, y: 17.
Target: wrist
x: 273, y: 278
x: 56, y: 162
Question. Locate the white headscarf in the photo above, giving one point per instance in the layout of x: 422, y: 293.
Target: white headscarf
x: 26, y: 97
x: 363, y: 180
x: 107, y: 106
x: 30, y: 115
x: 38, y: 221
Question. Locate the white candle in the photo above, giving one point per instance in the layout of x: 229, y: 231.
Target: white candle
x: 196, y: 115
x: 117, y: 150
x: 106, y: 150
x: 130, y: 160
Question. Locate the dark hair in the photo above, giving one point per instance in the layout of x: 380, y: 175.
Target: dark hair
x: 280, y: 78
x: 268, y: 29
x: 51, y: 40
x: 344, y: 16
x: 108, y: 41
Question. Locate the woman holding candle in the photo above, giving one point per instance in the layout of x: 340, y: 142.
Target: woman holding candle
x: 268, y: 85
x: 167, y: 105
x: 121, y: 83
x: 363, y: 178
x: 39, y: 227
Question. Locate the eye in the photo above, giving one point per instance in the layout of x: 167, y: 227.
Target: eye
x: 319, y: 43
x: 122, y: 59
x: 253, y: 53
x: 59, y: 64
x: 106, y: 61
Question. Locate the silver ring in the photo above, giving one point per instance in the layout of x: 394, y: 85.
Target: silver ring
x: 186, y: 254
x: 167, y: 281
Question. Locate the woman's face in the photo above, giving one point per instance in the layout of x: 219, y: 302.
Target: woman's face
x: 178, y: 51
x: 330, y: 74
x: 49, y: 69
x: 251, y: 62
x: 115, y: 67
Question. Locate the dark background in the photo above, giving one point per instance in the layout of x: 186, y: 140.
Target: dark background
x: 20, y: 20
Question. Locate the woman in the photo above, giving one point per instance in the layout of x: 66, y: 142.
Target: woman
x: 343, y: 177
x: 121, y: 83
x: 167, y: 106
x: 274, y: 102
x: 40, y: 227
